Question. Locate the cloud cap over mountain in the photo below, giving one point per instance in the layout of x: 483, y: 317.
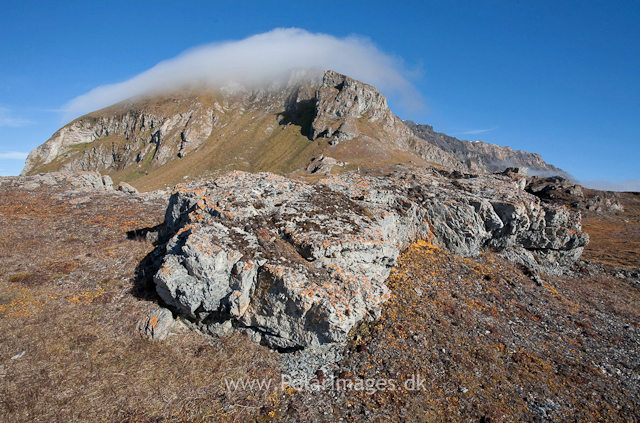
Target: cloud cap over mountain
x: 256, y: 60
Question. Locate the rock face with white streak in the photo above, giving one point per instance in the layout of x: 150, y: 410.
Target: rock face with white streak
x: 341, y: 98
x: 297, y: 265
x: 342, y: 102
x: 134, y: 134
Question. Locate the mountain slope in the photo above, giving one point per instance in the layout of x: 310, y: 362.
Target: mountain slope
x: 480, y: 156
x: 159, y: 141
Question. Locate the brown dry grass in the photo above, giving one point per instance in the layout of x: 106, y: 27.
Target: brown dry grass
x: 615, y: 237
x: 492, y: 346
x: 71, y: 296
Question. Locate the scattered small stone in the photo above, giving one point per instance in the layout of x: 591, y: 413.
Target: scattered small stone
x: 17, y: 356
x: 537, y: 279
x: 157, y: 324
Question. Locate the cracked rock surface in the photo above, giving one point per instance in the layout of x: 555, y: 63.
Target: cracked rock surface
x: 296, y: 264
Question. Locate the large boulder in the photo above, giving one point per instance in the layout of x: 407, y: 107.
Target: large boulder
x: 296, y: 264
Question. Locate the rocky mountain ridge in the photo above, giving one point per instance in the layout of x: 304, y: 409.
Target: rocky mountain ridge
x: 479, y: 156
x: 155, y: 142
x: 200, y: 133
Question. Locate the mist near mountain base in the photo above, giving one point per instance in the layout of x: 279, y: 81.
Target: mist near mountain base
x: 257, y: 61
x: 630, y: 185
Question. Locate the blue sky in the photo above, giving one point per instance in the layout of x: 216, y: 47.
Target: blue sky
x: 559, y: 78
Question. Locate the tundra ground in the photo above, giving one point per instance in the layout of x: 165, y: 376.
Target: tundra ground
x: 489, y: 343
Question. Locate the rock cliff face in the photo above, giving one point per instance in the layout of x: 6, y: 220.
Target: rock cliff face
x: 142, y: 135
x: 140, y: 132
x: 156, y: 142
x: 480, y: 156
x: 342, y: 103
x: 297, y: 265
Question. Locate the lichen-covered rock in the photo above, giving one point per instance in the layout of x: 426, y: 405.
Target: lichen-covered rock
x: 157, y: 324
x: 559, y: 190
x: 601, y: 204
x: 554, y: 188
x: 475, y: 212
x: 297, y: 265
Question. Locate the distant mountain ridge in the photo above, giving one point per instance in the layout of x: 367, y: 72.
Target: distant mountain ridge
x: 158, y: 141
x: 479, y: 156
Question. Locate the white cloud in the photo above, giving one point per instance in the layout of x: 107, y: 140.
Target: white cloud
x: 257, y: 60
x: 475, y: 131
x: 7, y: 120
x: 628, y: 185
x: 13, y: 155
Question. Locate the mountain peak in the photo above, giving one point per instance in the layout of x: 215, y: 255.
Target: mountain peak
x: 159, y: 140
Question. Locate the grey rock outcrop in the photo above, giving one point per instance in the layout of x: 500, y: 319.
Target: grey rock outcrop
x: 292, y: 263
x: 79, y: 187
x: 469, y: 213
x: 518, y: 174
x: 555, y: 188
x: 563, y: 191
x: 79, y: 181
x: 603, y: 203
x: 323, y: 165
x: 126, y: 188
x: 297, y: 265
x: 107, y: 181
